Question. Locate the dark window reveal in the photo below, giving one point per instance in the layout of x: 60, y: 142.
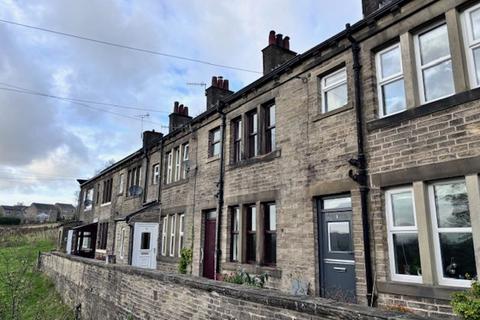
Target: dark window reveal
x: 251, y: 234
x: 270, y: 218
x: 252, y: 134
x: 269, y: 128
x: 102, y: 235
x: 235, y: 228
x: 237, y: 140
x: 107, y: 190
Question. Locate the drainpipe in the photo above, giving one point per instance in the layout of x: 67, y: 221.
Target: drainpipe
x: 360, y: 162
x: 145, y: 183
x: 221, y: 181
x: 159, y: 197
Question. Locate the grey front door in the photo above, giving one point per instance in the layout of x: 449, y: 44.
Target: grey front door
x: 337, y: 262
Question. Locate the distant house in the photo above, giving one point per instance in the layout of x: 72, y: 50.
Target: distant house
x: 41, y: 212
x: 66, y: 211
x: 13, y: 211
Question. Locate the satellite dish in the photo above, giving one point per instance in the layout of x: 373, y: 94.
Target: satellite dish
x: 87, y: 202
x: 135, y: 190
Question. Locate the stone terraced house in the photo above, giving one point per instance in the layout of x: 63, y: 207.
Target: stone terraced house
x: 349, y: 171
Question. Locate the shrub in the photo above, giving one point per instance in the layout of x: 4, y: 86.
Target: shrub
x: 243, y: 277
x: 9, y: 221
x: 186, y: 255
x: 466, y: 304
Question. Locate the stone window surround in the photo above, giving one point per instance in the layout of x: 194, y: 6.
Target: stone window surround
x: 155, y: 173
x: 425, y: 232
x: 260, y: 109
x: 164, y: 253
x: 260, y: 245
x: 411, y: 76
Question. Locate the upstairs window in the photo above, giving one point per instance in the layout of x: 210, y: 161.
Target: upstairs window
x: 186, y: 155
x: 169, y: 167
x: 214, y: 139
x: 121, y: 183
x: 471, y: 32
x: 107, y: 191
x: 252, y: 134
x: 177, y: 163
x: 434, y: 63
x: 88, y: 199
x: 97, y: 198
x: 237, y: 139
x: 269, y: 128
x: 133, y: 179
x: 334, y: 93
x: 156, y: 173
x: 391, y: 87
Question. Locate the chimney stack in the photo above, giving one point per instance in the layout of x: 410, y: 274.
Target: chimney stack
x: 149, y: 137
x: 277, y: 52
x: 217, y: 91
x: 178, y: 117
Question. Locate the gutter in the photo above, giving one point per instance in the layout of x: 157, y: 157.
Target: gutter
x: 221, y: 183
x: 360, y: 163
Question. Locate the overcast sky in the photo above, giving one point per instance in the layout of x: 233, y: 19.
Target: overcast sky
x: 45, y: 143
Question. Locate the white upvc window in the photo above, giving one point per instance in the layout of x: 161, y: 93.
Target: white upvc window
x: 181, y: 232
x: 471, y: 37
x: 186, y: 155
x: 177, y: 163
x: 88, y: 200
x: 390, y: 82
x: 434, y: 63
x: 169, y: 167
x: 334, y: 93
x: 156, y: 173
x: 173, y: 227
x: 164, y: 235
x: 403, y: 248
x: 122, y: 243
x: 452, y: 232
x: 121, y: 183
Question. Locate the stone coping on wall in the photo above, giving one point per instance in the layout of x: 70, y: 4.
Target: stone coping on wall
x: 314, y: 306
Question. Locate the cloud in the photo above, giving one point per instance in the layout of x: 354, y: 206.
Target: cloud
x: 42, y: 136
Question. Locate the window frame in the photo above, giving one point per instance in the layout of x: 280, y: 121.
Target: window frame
x: 122, y: 243
x: 186, y: 158
x: 266, y: 212
x: 169, y: 167
x: 237, y: 139
x: 249, y: 232
x: 121, y: 183
x: 164, y: 235
x: 235, y: 232
x: 156, y: 173
x: 181, y: 232
x: 88, y: 196
x: 392, y: 230
x: 251, y: 134
x: 420, y: 68
x: 324, y: 88
x: 212, y: 142
x: 107, y: 191
x: 436, y: 231
x: 173, y: 230
x: 102, y: 236
x: 270, y: 140
x: 381, y: 82
x: 178, y: 156
x: 470, y: 45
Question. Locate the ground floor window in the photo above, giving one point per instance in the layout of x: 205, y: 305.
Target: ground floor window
x: 251, y: 233
x: 102, y: 235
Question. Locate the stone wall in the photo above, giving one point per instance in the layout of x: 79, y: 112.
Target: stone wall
x: 122, y: 292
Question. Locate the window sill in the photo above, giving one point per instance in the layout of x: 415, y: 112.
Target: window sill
x: 273, y: 272
x: 167, y: 259
x: 212, y: 159
x: 424, y: 109
x: 331, y: 113
x: 105, y: 204
x: 258, y: 159
x: 175, y: 184
x: 418, y: 290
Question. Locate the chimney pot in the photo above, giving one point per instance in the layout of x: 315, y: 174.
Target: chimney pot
x: 214, y: 81
x: 225, y: 84
x: 279, y: 39
x: 180, y: 109
x: 185, y: 110
x: 175, y: 107
x: 271, y: 37
x: 286, y: 43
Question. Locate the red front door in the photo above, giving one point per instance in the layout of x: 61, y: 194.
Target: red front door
x: 209, y: 245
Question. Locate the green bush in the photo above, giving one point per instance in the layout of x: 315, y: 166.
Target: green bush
x: 186, y: 255
x: 9, y: 221
x: 243, y: 277
x: 466, y: 304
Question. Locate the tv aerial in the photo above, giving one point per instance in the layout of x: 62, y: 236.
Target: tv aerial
x: 142, y: 117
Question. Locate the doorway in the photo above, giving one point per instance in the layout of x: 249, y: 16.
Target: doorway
x: 209, y: 244
x: 337, y: 261
x: 145, y: 239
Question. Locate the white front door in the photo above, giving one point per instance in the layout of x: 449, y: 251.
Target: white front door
x: 145, y: 238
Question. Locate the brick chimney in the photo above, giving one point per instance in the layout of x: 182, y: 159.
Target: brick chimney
x: 277, y: 52
x: 370, y: 6
x: 178, y: 117
x: 149, y: 137
x: 217, y: 91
